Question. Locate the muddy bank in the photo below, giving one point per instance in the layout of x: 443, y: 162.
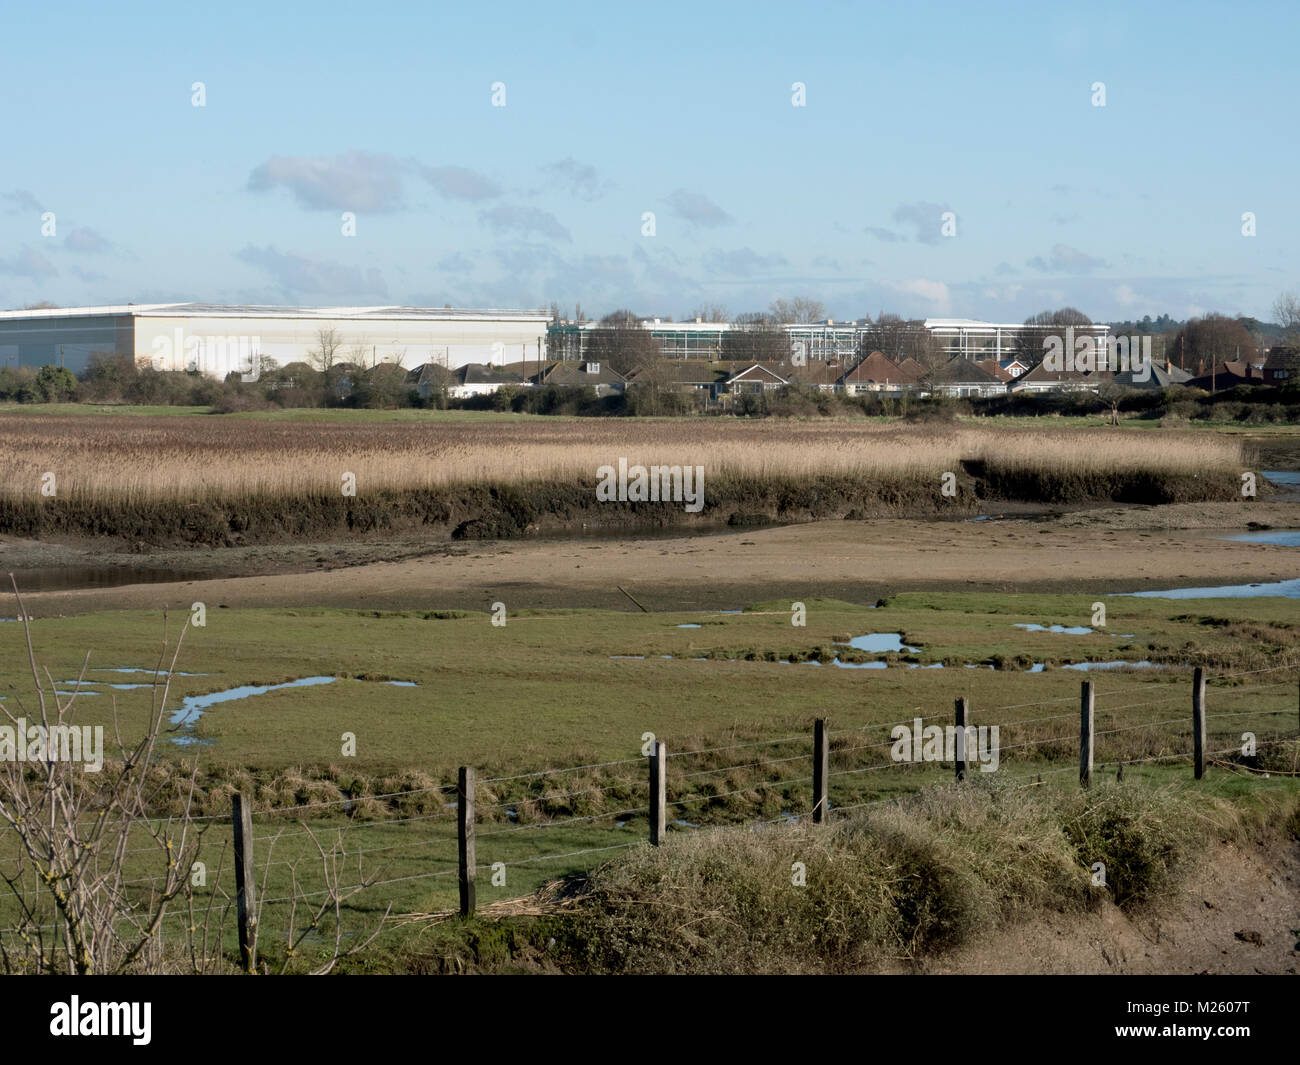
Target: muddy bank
x: 1114, y: 550
x: 504, y: 512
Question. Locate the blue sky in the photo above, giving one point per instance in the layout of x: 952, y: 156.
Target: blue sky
x: 680, y: 109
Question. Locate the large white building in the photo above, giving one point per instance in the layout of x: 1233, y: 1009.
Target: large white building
x: 973, y: 339
x: 829, y: 340
x: 218, y: 340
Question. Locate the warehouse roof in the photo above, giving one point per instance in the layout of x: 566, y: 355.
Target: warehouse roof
x: 219, y: 310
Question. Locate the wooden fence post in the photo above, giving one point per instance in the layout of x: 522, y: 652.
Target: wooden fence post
x: 821, y: 763
x: 658, y: 791
x: 959, y: 712
x: 1198, y: 723
x: 465, y: 838
x: 1085, y: 733
x: 241, y: 815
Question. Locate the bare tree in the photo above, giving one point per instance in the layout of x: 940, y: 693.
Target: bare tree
x: 756, y: 338
x: 902, y: 338
x: 1286, y: 309
x: 326, y: 352
x: 1029, y: 341
x: 1204, y: 344
x: 71, y: 830
x: 361, y: 355
x: 1112, y: 393
x: 77, y: 828
x: 927, y: 351
x: 798, y: 311
x: 709, y: 312
x: 623, y: 343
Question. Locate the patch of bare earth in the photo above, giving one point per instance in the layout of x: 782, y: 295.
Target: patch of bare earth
x: 1116, y: 550
x: 1238, y: 912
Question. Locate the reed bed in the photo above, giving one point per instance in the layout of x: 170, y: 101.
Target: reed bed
x: 101, y: 460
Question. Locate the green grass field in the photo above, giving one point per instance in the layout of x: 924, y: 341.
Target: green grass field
x: 543, y: 692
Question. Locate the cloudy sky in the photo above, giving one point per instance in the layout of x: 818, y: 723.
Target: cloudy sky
x: 652, y: 156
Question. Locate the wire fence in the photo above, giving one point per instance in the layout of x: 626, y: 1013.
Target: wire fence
x: 851, y: 777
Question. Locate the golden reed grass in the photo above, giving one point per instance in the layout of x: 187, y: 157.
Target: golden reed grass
x: 118, y: 460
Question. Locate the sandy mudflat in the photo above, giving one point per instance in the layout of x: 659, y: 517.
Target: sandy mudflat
x: 1105, y: 550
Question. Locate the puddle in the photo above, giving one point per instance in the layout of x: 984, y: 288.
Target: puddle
x: 133, y: 669
x: 402, y: 683
x: 71, y: 578
x: 85, y: 684
x: 1289, y: 538
x: 1073, y: 630
x: 1283, y: 476
x: 880, y: 642
x: 1286, y: 589
x: 193, y: 706
x: 691, y: 625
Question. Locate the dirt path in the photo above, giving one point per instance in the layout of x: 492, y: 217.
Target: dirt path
x: 1113, y: 550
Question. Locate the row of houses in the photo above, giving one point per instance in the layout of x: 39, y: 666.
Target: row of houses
x: 877, y: 374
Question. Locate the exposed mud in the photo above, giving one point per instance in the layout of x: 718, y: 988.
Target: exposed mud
x: 1239, y: 912
x: 1104, y: 551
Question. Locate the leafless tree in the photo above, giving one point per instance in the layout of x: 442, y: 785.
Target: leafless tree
x: 623, y: 343
x: 709, y: 312
x: 798, y: 311
x: 1112, y: 393
x: 70, y: 830
x: 927, y: 351
x: 1029, y: 341
x: 1286, y: 309
x: 362, y: 355
x: 891, y: 335
x: 756, y: 338
x: 74, y: 841
x: 326, y: 352
x: 1204, y: 344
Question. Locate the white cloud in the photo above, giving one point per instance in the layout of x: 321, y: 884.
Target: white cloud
x: 933, y: 292
x: 523, y: 221
x: 697, y: 209
x: 353, y: 181
x: 298, y: 275
x: 460, y: 183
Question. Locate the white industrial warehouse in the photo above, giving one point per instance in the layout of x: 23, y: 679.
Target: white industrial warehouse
x: 218, y: 340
